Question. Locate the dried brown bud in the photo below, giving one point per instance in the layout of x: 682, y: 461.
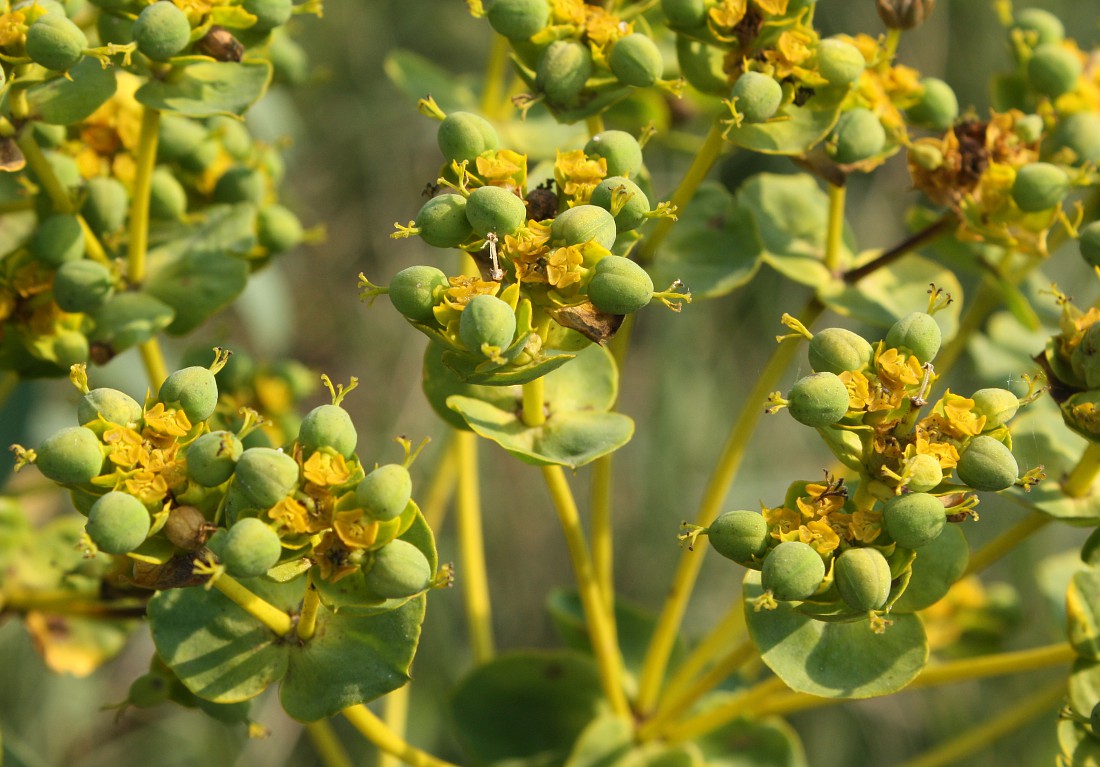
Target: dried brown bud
x: 187, y: 528
x: 219, y: 44
x: 904, y: 14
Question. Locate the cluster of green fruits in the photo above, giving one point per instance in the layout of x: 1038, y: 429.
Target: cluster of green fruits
x: 846, y: 553
x: 548, y: 277
x: 158, y: 484
x: 1071, y: 359
x: 577, y: 58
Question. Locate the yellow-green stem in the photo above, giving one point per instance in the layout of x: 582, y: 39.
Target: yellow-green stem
x: 534, y: 401
x: 144, y: 163
x: 307, y: 621
x: 442, y: 487
x: 153, y: 360
x: 92, y: 246
x: 732, y: 626
x: 1006, y: 541
x: 328, y: 747
x: 37, y: 162
x: 834, y: 236
x: 386, y: 740
x: 594, y: 123
x: 893, y: 37
x: 395, y: 713
x: 600, y: 632
x: 63, y: 602
x: 979, y: 736
x: 266, y: 613
x: 687, y: 570
x: 492, y: 98
x: 696, y: 172
x: 474, y: 579
x: 737, y: 706
x: 601, y: 526
x: 1079, y: 481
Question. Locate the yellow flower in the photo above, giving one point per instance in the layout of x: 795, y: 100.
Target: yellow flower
x: 944, y: 452
x: 11, y: 28
x: 792, y: 49
x: 820, y: 535
x: 577, y: 175
x: 333, y: 558
x: 772, y: 7
x: 527, y: 249
x: 326, y: 469
x: 782, y: 522
x: 897, y: 370
x: 355, y: 529
x: 147, y: 487
x: 562, y: 267
x: 865, y: 395
x: 959, y: 414
x: 125, y: 447
x: 865, y: 525
x: 291, y: 514
x: 167, y: 421
x: 602, y: 29
x: 727, y: 14
x: 503, y: 168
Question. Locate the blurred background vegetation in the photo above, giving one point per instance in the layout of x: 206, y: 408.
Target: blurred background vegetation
x: 359, y: 156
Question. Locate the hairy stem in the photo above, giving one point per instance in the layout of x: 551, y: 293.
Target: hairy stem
x: 375, y: 730
x: 266, y: 613
x: 475, y: 581
x: 328, y: 747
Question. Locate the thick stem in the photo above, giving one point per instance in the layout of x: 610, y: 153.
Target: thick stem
x: 732, y: 626
x: 687, y: 570
x: 492, y: 97
x: 144, y: 163
x: 37, y: 162
x: 534, y: 402
x: 92, y: 246
x: 260, y: 609
x: 328, y: 747
x: 1078, y: 483
x: 1007, y: 541
x: 594, y: 124
x: 834, y: 235
x: 602, y: 530
x: 375, y: 730
x: 153, y: 360
x: 395, y: 713
x: 475, y: 581
x: 307, y: 621
x: 600, y: 632
x: 746, y: 701
x: 442, y: 487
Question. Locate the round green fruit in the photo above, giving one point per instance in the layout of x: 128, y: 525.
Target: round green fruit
x: 212, y: 458
x: 918, y: 333
x: 633, y: 213
x: 839, y: 62
x: 398, y: 570
x: 464, y: 135
x: 106, y: 205
x: 999, y: 406
x: 1089, y: 243
x: 756, y: 96
x: 636, y: 60
x: 250, y: 549
x: 584, y: 223
x: 442, y: 221
x: 620, y: 150
x: 487, y: 321
x: 924, y: 473
x: 118, y: 523
x: 415, y: 290
x: 269, y: 13
x: 1080, y: 133
x: 619, y: 286
x: 1053, y: 70
x: 987, y: 464
x: 385, y: 492
x: 1039, y: 186
x: 792, y: 571
x: 739, y: 535
x: 241, y: 184
x: 327, y: 426
x: 55, y: 43
x: 167, y: 197
x: 57, y: 240
x: 82, y: 286
x: 563, y: 69
x: 684, y: 14
x: 495, y: 209
x: 938, y: 106
x: 1029, y: 128
x: 836, y: 350
x: 862, y: 576
x: 820, y: 399
x: 72, y: 456
x: 194, y: 390
x: 278, y: 228
x: 1042, y: 27
x: 162, y: 30
x: 112, y: 405
x: 914, y: 519
x: 265, y: 476
x: 179, y: 137
x: 858, y: 136
x: 518, y: 19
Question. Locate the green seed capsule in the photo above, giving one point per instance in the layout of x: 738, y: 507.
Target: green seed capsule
x: 265, y: 476
x: 999, y: 406
x: 162, y: 30
x: 914, y: 519
x: 278, y: 228
x: 118, y: 523
x: 684, y: 14
x: 442, y: 221
x: 917, y: 332
x: 739, y: 535
x: 269, y: 13
x: 241, y: 184
x: 106, y: 205
x: 924, y: 473
x: 619, y: 286
x: 987, y: 464
x: 328, y: 426
x: 251, y: 548
x: 57, y: 240
x: 55, y: 43
x: 212, y: 458
x: 862, y: 576
x: 563, y: 70
x: 636, y: 60
x: 167, y: 197
x: 486, y: 320
x: 415, y: 290
x: 72, y: 456
x: 194, y: 390
x: 620, y: 150
x: 398, y: 570
x: 820, y: 399
x: 1080, y: 133
x: 859, y: 135
x: 518, y: 19
x: 1039, y: 186
x: 792, y: 571
x: 839, y: 62
x: 633, y: 212
x: 1089, y: 243
x: 385, y: 492
x: 1042, y: 27
x: 1053, y: 70
x: 836, y: 350
x: 938, y: 106
x: 82, y: 286
x: 464, y: 135
x: 756, y: 96
x: 583, y: 223
x: 495, y: 209
x: 112, y: 405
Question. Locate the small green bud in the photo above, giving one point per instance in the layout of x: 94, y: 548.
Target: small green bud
x: 112, y: 405
x: 938, y: 106
x: 486, y: 320
x: 1029, y: 128
x: 518, y: 19
x: 442, y: 221
x: 278, y: 228
x: 620, y: 150
x: 633, y: 212
x: 684, y: 14
x: 820, y: 399
x: 999, y: 406
x: 106, y: 205
x: 328, y: 426
x: 756, y: 96
x: 167, y: 197
x: 465, y: 135
x: 636, y: 60
x: 1039, y: 186
x: 72, y: 456
x: 914, y: 519
x: 924, y: 473
x: 582, y: 223
x: 619, y: 286
x: 1053, y: 70
x: 250, y: 549
x: 57, y: 240
x: 1043, y: 27
x: 241, y: 184
x: 836, y: 350
x: 1080, y: 133
x: 792, y: 571
x: 82, y: 286
x: 55, y: 43
x: 414, y: 291
x: 398, y: 570
x: 858, y: 136
x: 563, y: 70
x: 862, y: 576
x: 194, y: 390
x: 987, y: 464
x: 385, y: 492
x: 739, y: 535
x: 269, y: 13
x: 212, y: 458
x: 918, y: 333
x: 495, y: 209
x: 839, y: 62
x: 265, y: 476
x: 162, y: 30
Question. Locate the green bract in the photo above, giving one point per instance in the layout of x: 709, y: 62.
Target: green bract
x: 584, y: 223
x: 1053, y: 70
x: 58, y: 239
x: 112, y: 405
x: 415, y: 290
x: 1089, y: 243
x: 792, y: 571
x: 685, y: 14
x: 999, y: 406
x: 194, y: 390
x: 619, y: 286
x: 269, y: 13
x: 82, y: 286
x: 250, y: 549
x: 620, y: 150
x: 987, y: 464
x: 162, y: 30
x: 636, y: 60
x: 1043, y: 26
x: 495, y: 209
x: 385, y: 492
x: 914, y: 519
x: 118, y: 523
x: 836, y: 350
x: 739, y: 535
x: 917, y: 332
x: 398, y: 570
x: 487, y: 321
x: 563, y: 70
x: 55, y: 42
x: 328, y: 426
x: 820, y: 399
x: 938, y: 106
x: 633, y: 213
x: 442, y: 221
x: 518, y: 19
x: 839, y: 62
x: 1039, y: 186
x: 756, y: 96
x: 924, y: 473
x: 212, y: 458
x: 859, y: 135
x: 265, y: 476
x: 72, y: 456
x: 862, y: 577
x: 464, y: 135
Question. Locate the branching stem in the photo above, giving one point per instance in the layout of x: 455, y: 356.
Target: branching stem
x: 375, y: 730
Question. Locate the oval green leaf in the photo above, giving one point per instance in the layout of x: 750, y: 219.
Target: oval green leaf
x: 64, y: 101
x: 206, y: 88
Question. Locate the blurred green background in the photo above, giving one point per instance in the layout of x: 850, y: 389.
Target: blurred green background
x: 359, y: 157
